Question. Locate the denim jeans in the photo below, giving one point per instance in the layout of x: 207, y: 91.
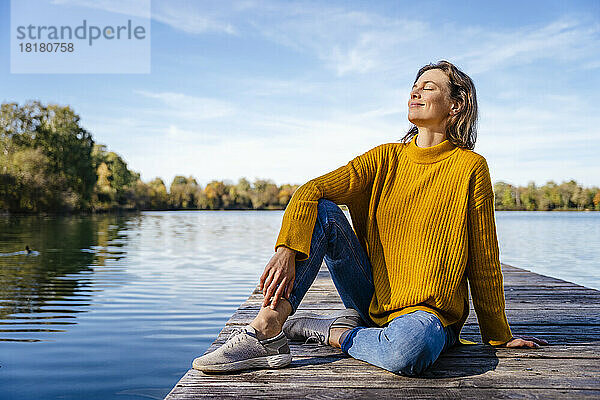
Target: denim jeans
x: 407, y: 345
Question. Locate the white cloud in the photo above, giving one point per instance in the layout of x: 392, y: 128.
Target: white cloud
x: 352, y: 42
x: 189, y: 108
x: 346, y: 42
x: 358, y: 42
x: 565, y: 40
x: 137, y: 8
x: 191, y: 17
x: 267, y: 87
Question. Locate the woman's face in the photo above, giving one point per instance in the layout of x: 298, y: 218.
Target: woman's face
x: 430, y: 103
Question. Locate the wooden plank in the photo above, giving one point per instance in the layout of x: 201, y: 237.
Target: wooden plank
x: 477, y: 372
x: 254, y: 392
x: 566, y: 314
x: 590, y: 351
x: 562, y: 334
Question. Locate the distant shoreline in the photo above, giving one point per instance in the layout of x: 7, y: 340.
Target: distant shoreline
x: 128, y: 212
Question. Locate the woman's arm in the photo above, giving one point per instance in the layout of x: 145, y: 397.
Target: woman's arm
x: 340, y: 186
x: 483, y: 264
x: 485, y: 275
x: 484, y: 271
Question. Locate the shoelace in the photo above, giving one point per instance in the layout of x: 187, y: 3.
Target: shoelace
x: 235, y: 331
x: 318, y: 338
x: 234, y: 336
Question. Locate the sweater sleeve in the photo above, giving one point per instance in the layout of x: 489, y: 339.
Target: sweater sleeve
x: 340, y: 186
x: 483, y: 270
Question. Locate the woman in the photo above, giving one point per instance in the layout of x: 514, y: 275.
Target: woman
x: 423, y: 215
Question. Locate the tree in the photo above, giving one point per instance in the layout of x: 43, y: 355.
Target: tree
x: 105, y: 193
x: 508, y: 202
x: 567, y: 191
x: 503, y: 196
x: 118, y: 181
x: 597, y: 200
x: 214, y: 192
x: 56, y: 131
x: 285, y: 194
x: 549, y: 197
x: 35, y: 187
x: 240, y: 194
x: 580, y: 198
x: 182, y: 193
x: 159, y: 198
x: 528, y: 197
x: 265, y: 194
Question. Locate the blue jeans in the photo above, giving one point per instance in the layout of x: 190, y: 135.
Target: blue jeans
x: 407, y: 345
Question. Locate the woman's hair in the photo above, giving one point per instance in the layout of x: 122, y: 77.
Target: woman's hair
x: 461, y: 129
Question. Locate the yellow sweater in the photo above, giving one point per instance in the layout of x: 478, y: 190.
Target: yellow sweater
x: 425, y: 218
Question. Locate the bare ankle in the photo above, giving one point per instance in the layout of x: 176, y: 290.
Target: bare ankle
x: 268, y: 323
x: 264, y: 331
x: 334, y: 336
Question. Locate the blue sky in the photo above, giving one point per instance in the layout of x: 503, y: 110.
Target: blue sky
x: 291, y: 90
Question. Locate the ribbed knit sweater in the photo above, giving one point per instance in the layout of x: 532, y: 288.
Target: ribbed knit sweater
x: 425, y: 218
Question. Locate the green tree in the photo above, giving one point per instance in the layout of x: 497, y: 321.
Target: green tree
x: 35, y: 187
x: 580, y: 198
x: 265, y: 194
x: 567, y: 191
x: 159, y: 199
x: 117, y: 180
x: 549, y: 197
x: 57, y: 132
x: 508, y: 202
x: 528, y: 197
x: 502, y: 196
x: 182, y: 193
x: 240, y: 194
x: 104, y: 192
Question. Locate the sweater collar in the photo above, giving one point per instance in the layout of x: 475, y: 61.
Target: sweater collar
x: 429, y: 155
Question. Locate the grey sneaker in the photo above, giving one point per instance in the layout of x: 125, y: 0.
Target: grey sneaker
x: 316, y: 327
x: 243, y: 350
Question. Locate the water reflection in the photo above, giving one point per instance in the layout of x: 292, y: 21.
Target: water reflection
x: 43, y: 290
x: 26, y: 252
x: 121, y: 305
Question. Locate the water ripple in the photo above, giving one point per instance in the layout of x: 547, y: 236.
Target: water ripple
x: 114, y: 305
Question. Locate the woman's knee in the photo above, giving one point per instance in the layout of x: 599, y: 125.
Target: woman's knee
x: 412, y: 356
x: 328, y: 210
x: 412, y: 363
x: 326, y: 205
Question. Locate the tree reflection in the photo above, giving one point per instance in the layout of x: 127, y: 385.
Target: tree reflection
x: 45, y: 290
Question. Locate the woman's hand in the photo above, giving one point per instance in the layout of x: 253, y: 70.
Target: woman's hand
x: 278, y: 277
x: 525, y: 341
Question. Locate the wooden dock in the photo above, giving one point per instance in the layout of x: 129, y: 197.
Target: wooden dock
x: 565, y: 314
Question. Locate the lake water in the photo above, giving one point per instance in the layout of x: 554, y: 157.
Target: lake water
x: 117, y: 307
